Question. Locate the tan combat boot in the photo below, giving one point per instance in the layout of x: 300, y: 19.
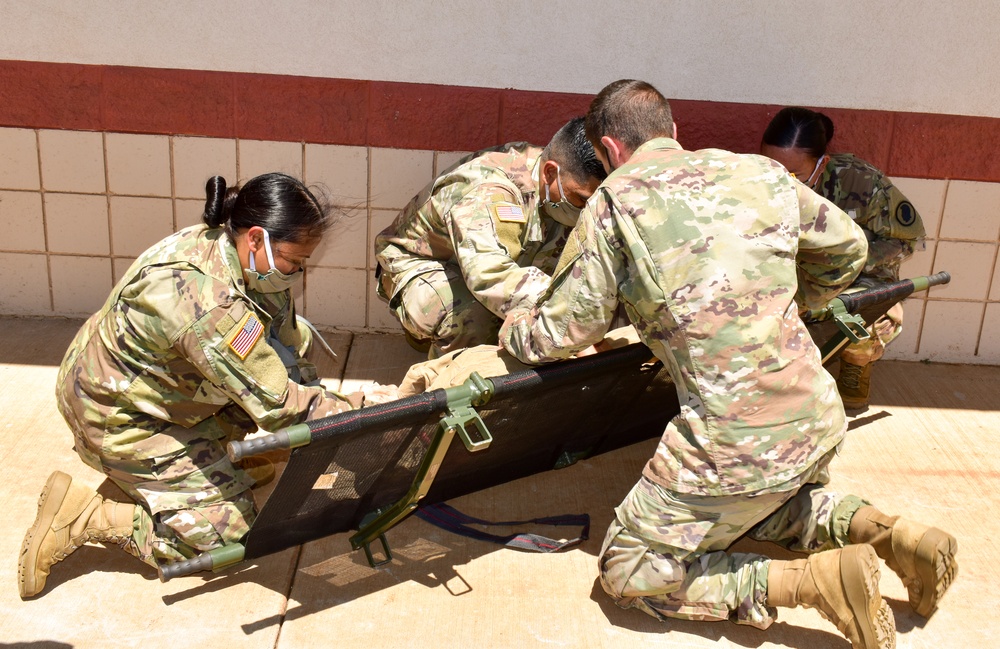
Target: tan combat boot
x: 854, y: 384
x: 260, y: 469
x: 843, y: 586
x: 923, y: 557
x: 421, y: 345
x: 68, y: 516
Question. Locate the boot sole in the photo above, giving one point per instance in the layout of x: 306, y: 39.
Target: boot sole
x: 873, y: 618
x: 936, y: 570
x: 56, y: 488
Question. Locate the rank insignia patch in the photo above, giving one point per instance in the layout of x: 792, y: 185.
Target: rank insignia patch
x: 508, y: 212
x: 246, y: 335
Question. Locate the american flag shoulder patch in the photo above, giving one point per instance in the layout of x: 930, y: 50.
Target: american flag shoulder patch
x: 508, y: 212
x: 245, y: 335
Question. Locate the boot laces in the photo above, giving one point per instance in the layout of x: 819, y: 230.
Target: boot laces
x: 850, y: 375
x: 113, y: 537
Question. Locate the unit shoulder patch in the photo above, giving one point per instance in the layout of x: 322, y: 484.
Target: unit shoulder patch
x: 508, y: 212
x: 905, y: 213
x: 245, y: 335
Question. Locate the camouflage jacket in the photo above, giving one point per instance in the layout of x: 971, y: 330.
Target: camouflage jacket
x: 481, y: 215
x: 182, y: 343
x: 707, y: 250
x: 893, y: 227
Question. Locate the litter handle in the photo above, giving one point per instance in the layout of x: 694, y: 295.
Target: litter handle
x: 216, y: 559
x: 291, y: 437
x: 854, y: 302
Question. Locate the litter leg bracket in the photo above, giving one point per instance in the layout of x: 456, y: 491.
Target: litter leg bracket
x: 461, y: 419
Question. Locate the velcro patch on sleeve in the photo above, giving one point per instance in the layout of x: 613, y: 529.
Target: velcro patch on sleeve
x: 228, y: 321
x: 574, y: 247
x: 508, y: 213
x: 245, y: 335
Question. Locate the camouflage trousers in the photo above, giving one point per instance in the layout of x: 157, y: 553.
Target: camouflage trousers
x: 437, y: 307
x: 665, y: 552
x: 883, y: 331
x: 189, y: 499
x: 210, y: 515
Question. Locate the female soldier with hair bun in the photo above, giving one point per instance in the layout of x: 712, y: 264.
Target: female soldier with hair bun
x: 197, y: 344
x: 798, y: 139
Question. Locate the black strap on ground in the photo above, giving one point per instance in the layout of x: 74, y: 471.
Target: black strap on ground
x: 448, y: 518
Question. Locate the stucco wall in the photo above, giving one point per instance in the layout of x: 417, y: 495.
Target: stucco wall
x: 112, y: 115
x: 921, y: 55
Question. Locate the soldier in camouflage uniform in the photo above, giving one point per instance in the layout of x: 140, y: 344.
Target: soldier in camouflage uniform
x: 798, y: 138
x: 185, y: 355
x: 708, y: 251
x: 483, y: 239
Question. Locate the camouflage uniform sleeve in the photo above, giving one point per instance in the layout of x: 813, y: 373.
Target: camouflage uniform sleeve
x: 893, y: 228
x: 580, y: 304
x: 249, y: 372
x: 885, y: 252
x: 487, y: 243
x: 832, y: 249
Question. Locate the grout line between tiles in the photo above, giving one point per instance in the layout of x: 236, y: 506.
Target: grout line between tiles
x: 369, y: 242
x: 989, y: 290
x: 107, y: 195
x: 923, y: 313
x: 45, y: 225
x: 173, y: 183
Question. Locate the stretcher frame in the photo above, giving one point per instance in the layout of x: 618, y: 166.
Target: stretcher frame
x: 388, y: 458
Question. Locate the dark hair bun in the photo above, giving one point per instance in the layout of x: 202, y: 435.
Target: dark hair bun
x: 827, y: 125
x: 215, y: 214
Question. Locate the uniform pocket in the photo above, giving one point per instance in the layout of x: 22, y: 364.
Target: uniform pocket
x: 650, y: 513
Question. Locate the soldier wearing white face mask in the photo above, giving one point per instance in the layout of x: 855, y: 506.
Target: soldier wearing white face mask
x: 186, y: 354
x: 798, y: 138
x: 479, y: 240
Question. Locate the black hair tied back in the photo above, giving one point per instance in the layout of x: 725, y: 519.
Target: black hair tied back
x: 218, y: 202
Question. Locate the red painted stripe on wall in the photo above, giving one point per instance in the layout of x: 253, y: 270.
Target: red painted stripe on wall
x: 435, y: 117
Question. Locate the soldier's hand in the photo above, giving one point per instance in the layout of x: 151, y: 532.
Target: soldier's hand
x: 375, y: 393
x: 596, y: 348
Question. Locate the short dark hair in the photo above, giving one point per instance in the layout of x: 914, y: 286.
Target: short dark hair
x: 799, y: 128
x: 575, y: 155
x: 632, y: 112
x: 280, y: 204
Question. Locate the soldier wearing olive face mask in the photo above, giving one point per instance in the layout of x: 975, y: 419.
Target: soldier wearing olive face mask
x: 483, y: 238
x: 562, y: 211
x: 273, y: 280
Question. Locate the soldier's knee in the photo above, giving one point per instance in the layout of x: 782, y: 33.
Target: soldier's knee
x: 630, y: 567
x: 420, y: 308
x: 204, y: 527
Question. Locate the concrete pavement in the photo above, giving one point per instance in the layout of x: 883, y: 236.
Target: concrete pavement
x: 926, y: 449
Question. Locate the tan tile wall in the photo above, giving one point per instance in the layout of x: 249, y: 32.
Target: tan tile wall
x: 958, y: 322
x: 77, y: 207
